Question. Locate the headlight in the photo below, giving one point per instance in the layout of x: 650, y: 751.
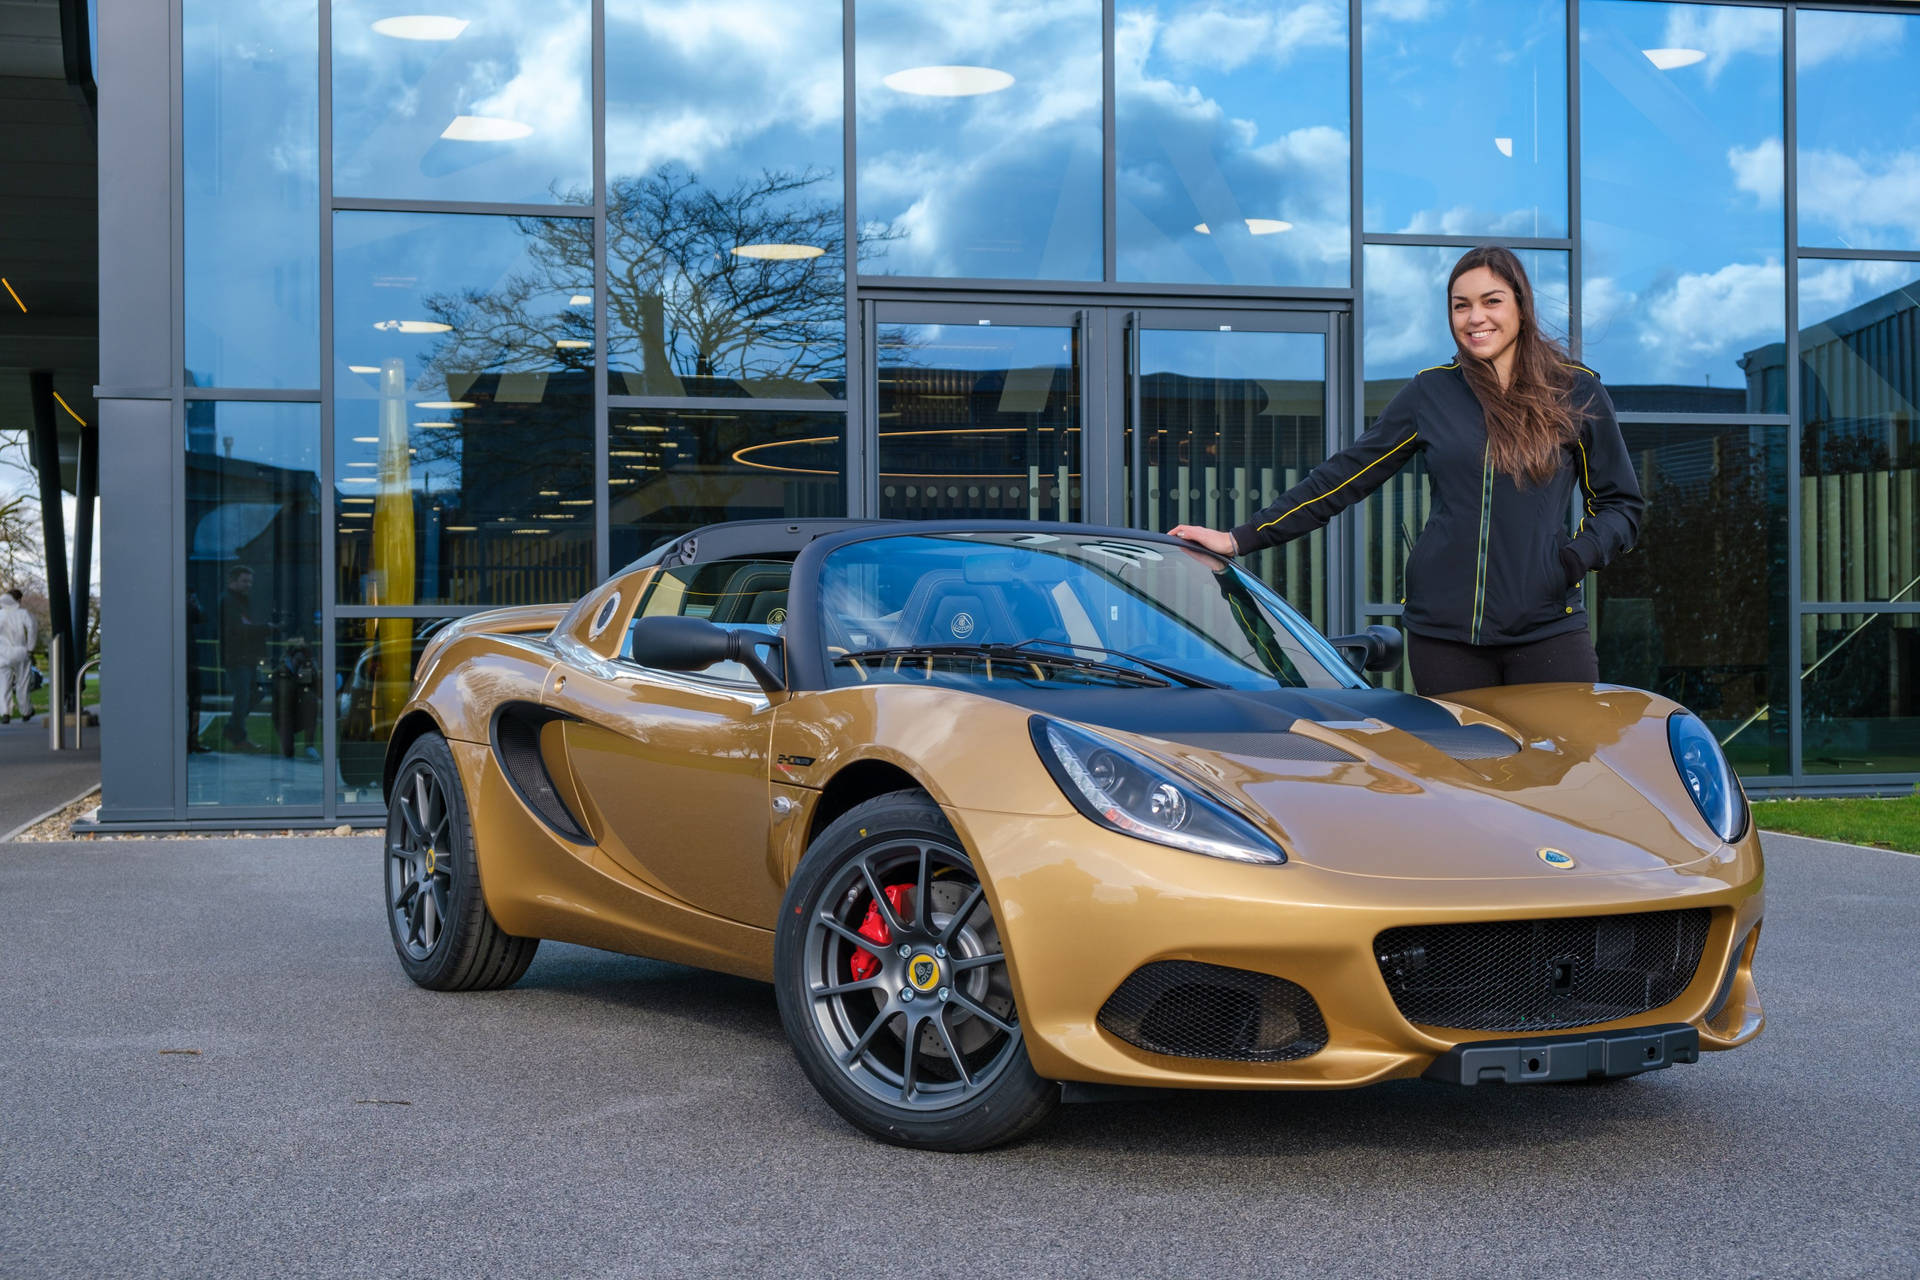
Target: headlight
x: 1124, y: 791
x: 1709, y: 781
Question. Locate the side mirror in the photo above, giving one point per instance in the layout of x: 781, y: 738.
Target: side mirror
x: 1378, y: 648
x: 694, y: 644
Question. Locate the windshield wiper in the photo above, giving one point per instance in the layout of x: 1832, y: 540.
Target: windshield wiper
x: 1026, y: 649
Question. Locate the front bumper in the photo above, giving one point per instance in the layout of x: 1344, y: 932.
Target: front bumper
x: 1081, y: 909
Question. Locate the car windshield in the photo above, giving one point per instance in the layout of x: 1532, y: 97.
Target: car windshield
x: 1058, y: 609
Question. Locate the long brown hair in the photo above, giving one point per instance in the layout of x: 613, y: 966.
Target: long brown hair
x: 1531, y: 419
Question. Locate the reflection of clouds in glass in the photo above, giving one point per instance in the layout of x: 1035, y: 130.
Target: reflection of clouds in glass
x: 721, y: 88
x: 1003, y: 184
x: 1406, y: 304
x: 1722, y: 32
x: 1859, y: 162
x: 1689, y: 327
x: 1829, y: 288
x: 393, y: 100
x: 1864, y: 197
x: 1466, y: 122
x: 250, y: 139
x: 1216, y: 148
x: 1831, y: 36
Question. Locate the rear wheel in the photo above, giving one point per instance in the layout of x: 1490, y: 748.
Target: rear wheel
x: 442, y: 931
x: 892, y: 983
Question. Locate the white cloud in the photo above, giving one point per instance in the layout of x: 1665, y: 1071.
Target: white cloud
x: 1724, y: 32
x: 1829, y: 288
x: 1760, y: 171
x: 1226, y: 38
x: 1704, y: 314
x: 1822, y: 36
x: 1865, y: 198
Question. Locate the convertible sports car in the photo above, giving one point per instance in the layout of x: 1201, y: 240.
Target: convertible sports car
x: 1001, y: 806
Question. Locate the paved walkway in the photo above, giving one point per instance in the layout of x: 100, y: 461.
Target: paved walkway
x: 34, y: 779
x: 212, y: 1066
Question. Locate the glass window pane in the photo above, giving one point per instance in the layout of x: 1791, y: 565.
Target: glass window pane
x: 1233, y: 420
x: 253, y: 604
x: 1860, y: 432
x: 1682, y: 184
x: 1466, y: 118
x: 979, y: 422
x: 374, y: 661
x: 1232, y: 142
x: 1715, y: 641
x: 1860, y: 693
x: 1859, y: 141
x: 726, y: 216
x: 1407, y: 330
x: 979, y: 139
x: 672, y: 471
x: 250, y: 168
x: 490, y: 102
x: 463, y: 414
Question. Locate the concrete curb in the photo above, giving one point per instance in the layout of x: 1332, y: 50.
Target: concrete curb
x: 31, y: 823
x: 1839, y: 844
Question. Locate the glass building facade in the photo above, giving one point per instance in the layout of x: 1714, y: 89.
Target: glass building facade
x: 467, y: 307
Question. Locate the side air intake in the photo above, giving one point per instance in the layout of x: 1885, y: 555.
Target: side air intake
x: 1186, y: 1009
x: 516, y: 745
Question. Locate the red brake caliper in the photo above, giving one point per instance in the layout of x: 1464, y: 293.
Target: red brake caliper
x: 865, y: 964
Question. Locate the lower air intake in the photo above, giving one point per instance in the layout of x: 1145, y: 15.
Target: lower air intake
x: 1185, y: 1009
x: 1525, y: 975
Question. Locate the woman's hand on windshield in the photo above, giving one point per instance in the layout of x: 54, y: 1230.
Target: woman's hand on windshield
x: 1218, y: 541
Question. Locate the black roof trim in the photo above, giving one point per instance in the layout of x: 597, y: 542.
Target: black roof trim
x: 734, y: 538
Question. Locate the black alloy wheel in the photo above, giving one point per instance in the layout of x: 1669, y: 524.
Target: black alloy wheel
x: 893, y: 985
x: 436, y: 914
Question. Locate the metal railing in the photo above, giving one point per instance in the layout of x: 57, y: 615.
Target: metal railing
x: 79, y: 709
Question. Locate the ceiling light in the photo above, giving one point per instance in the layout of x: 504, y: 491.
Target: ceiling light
x: 948, y: 82
x: 1255, y: 226
x: 533, y: 531
x: 1668, y: 59
x: 621, y: 480
x: 572, y: 344
x: 576, y: 502
x: 777, y: 252
x: 366, y: 439
x: 359, y: 479
x: 15, y: 296
x: 421, y: 26
x: 580, y: 300
x: 443, y: 404
x: 363, y: 368
x: 409, y: 326
x: 549, y: 493
x: 646, y: 426
x: 459, y: 528
x: 1504, y: 146
x: 485, y: 129
x: 363, y: 464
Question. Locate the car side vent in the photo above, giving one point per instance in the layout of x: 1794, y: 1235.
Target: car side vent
x: 1186, y: 1009
x: 1469, y: 742
x: 1264, y: 746
x: 516, y: 744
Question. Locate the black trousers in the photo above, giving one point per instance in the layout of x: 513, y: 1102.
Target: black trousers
x: 1446, y: 666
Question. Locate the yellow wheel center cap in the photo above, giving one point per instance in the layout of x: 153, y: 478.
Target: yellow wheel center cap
x: 430, y: 859
x: 923, y: 972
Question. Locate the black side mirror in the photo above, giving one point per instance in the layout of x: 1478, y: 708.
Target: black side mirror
x: 1378, y: 648
x: 694, y: 644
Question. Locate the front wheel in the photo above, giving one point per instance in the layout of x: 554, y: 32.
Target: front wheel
x: 892, y: 983
x: 445, y: 936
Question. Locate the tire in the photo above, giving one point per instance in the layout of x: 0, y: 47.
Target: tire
x: 923, y: 1050
x: 436, y: 913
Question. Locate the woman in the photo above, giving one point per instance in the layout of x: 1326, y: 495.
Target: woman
x: 1509, y: 427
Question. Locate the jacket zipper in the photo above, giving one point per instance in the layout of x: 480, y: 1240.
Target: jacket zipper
x: 1486, y: 520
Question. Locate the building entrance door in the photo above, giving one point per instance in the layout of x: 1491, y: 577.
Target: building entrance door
x: 1141, y: 416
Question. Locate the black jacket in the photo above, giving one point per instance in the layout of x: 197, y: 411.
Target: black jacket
x: 1494, y: 564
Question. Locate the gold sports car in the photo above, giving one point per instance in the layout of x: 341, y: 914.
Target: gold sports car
x: 1003, y: 809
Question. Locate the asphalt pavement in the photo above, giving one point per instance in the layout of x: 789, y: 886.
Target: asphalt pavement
x: 34, y: 779
x: 210, y: 1065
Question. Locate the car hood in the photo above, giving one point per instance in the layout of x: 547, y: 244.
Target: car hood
x: 1375, y: 782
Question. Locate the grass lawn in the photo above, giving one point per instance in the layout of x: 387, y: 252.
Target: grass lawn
x: 1890, y: 824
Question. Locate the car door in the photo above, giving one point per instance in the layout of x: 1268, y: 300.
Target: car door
x: 674, y: 764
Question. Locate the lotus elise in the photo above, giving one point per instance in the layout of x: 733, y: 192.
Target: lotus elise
x: 1004, y: 810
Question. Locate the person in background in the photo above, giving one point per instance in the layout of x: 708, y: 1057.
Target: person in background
x: 17, y: 638
x: 243, y: 647
x: 1510, y: 429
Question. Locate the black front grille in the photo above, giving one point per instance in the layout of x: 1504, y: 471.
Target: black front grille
x: 1190, y: 1010
x: 1519, y: 975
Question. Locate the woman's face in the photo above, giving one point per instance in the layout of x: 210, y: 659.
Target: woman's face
x: 1486, y: 315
